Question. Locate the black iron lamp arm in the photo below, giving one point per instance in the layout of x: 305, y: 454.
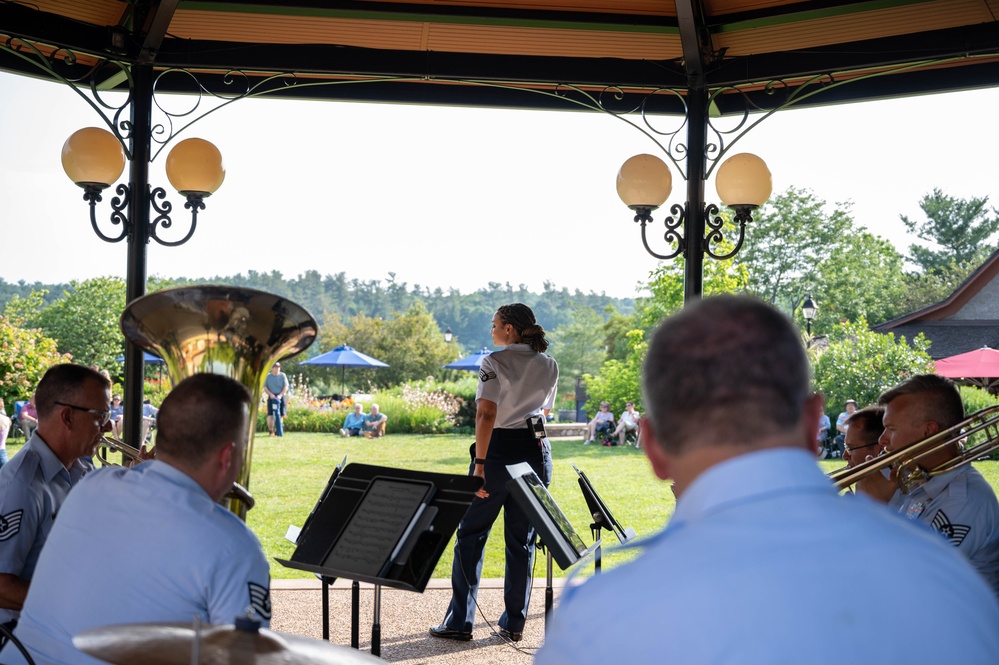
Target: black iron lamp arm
x: 162, y: 208
x: 715, y: 235
x: 671, y: 236
x: 92, y: 195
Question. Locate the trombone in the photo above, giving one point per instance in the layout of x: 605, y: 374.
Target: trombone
x: 976, y: 436
x: 131, y: 455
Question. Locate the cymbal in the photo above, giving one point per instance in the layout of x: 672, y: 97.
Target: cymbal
x: 171, y: 644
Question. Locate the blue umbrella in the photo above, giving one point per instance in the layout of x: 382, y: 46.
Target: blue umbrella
x: 147, y: 358
x: 470, y: 363
x: 344, y: 356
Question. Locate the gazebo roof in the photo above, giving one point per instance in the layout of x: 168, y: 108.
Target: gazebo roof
x: 503, y: 53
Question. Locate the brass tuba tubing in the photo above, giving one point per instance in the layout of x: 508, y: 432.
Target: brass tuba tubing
x: 984, y: 421
x: 134, y: 455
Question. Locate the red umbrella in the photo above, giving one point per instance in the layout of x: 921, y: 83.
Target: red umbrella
x: 978, y: 367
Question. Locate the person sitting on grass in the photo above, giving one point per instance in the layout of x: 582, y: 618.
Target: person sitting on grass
x: 374, y: 423
x: 602, y: 423
x: 354, y: 422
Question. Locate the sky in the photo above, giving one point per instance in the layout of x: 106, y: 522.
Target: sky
x: 457, y: 198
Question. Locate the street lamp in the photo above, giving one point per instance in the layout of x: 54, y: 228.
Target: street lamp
x: 809, y: 309
x: 744, y: 183
x: 94, y: 158
x: 448, y: 335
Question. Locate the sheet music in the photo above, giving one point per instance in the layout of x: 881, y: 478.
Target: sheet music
x: 376, y: 526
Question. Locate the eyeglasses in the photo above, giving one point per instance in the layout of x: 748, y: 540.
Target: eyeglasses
x: 104, y: 416
x: 849, y: 449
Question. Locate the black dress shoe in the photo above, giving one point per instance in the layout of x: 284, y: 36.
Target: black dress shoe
x: 511, y: 635
x: 446, y: 633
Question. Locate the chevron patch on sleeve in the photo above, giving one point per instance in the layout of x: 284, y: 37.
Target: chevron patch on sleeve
x: 260, y: 600
x: 955, y: 533
x: 10, y: 524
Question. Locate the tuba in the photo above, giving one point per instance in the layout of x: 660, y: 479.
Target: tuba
x: 976, y: 436
x: 233, y: 331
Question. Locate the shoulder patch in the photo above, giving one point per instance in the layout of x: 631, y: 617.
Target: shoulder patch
x: 485, y: 376
x: 955, y: 533
x: 10, y: 524
x: 260, y: 600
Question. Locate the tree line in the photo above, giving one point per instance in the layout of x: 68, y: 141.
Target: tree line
x: 797, y: 244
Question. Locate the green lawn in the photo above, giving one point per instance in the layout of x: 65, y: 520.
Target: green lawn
x: 290, y: 472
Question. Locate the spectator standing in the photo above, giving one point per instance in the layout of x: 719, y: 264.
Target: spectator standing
x: 735, y: 576
x: 276, y: 387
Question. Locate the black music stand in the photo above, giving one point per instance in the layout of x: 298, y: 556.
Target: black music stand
x: 556, y: 532
x: 382, y: 525
x: 602, y: 518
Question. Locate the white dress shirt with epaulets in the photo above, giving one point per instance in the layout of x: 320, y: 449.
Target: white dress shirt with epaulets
x: 763, y: 562
x: 518, y: 379
x: 168, y: 551
x: 33, y: 486
x: 961, y: 506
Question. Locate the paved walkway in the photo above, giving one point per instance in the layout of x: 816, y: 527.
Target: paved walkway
x: 405, y: 618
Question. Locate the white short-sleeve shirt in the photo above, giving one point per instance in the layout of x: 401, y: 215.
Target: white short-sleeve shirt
x: 521, y: 381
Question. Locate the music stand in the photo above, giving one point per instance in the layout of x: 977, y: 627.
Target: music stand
x: 385, y: 526
x: 327, y: 582
x: 602, y: 518
x: 553, y: 527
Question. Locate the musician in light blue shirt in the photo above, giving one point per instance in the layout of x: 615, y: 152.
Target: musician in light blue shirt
x: 739, y: 575
x: 172, y: 552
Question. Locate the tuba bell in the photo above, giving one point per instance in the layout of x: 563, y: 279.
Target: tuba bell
x: 233, y: 331
x: 976, y: 436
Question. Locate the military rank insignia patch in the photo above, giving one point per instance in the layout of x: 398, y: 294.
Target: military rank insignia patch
x: 10, y: 524
x: 260, y: 600
x: 955, y: 533
x: 485, y: 376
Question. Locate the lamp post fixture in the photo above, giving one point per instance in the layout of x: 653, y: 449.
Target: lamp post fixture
x: 94, y: 158
x: 743, y: 182
x: 808, y: 310
x: 448, y: 335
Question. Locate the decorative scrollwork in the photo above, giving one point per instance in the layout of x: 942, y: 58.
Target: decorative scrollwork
x: 162, y: 218
x: 671, y: 236
x: 715, y: 223
x: 92, y: 195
